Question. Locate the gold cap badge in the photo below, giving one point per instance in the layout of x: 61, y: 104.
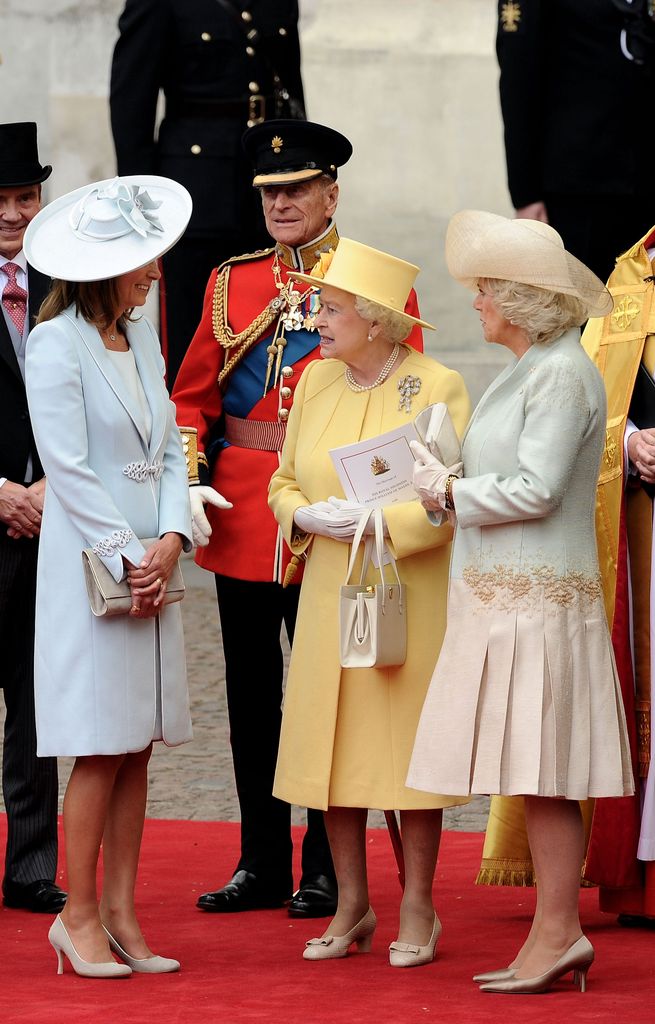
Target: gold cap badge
x: 276, y: 143
x: 510, y: 16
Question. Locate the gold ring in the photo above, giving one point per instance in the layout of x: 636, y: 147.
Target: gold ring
x: 134, y: 608
x: 159, y: 581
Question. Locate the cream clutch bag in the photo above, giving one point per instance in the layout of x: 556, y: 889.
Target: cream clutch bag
x: 437, y: 432
x: 107, y: 597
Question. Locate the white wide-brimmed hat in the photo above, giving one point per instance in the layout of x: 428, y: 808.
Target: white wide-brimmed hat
x: 360, y: 270
x: 480, y: 244
x: 109, y: 228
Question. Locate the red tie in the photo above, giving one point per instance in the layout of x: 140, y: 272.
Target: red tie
x: 14, y: 298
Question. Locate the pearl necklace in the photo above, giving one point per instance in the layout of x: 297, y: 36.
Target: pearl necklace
x: 381, y: 377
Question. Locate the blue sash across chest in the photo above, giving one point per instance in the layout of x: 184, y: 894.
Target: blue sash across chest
x: 246, y: 382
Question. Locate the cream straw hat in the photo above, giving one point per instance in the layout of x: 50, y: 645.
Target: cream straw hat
x: 480, y: 244
x: 359, y: 270
x: 109, y: 228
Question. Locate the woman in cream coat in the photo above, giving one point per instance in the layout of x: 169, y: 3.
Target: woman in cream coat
x: 347, y: 733
x: 525, y: 699
x: 105, y: 688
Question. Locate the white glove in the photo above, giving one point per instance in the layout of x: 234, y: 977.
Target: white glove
x: 200, y: 496
x: 354, y: 508
x: 429, y: 477
x: 323, y: 518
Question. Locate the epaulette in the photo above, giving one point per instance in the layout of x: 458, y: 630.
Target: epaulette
x: 259, y: 254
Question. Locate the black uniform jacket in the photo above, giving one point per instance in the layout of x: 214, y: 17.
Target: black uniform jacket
x: 198, y: 52
x: 16, y: 438
x: 577, y: 111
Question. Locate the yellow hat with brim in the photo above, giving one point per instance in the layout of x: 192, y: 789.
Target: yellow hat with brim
x: 360, y: 270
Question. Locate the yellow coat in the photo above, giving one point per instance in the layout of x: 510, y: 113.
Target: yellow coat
x: 347, y: 734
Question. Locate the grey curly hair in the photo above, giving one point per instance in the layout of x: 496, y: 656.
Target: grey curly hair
x: 542, y: 314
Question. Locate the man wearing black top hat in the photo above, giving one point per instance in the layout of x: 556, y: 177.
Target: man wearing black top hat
x: 29, y: 783
x: 254, y: 339
x: 222, y: 65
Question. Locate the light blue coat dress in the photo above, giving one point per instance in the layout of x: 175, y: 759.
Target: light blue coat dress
x: 525, y: 697
x: 102, y: 684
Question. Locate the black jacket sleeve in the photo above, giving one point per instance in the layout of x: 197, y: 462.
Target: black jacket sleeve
x: 137, y: 74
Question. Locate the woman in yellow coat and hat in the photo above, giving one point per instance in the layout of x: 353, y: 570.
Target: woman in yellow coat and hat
x: 347, y: 733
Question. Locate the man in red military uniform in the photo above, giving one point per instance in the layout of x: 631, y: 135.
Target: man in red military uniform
x: 233, y: 395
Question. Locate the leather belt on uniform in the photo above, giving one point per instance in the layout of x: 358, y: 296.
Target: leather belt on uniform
x: 253, y: 109
x: 262, y: 435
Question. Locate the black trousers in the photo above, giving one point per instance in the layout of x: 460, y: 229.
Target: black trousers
x: 29, y: 783
x: 597, y: 229
x: 252, y: 615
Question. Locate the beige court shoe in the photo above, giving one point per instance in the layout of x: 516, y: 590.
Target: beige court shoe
x: 331, y: 947
x: 500, y: 975
x: 578, y: 958
x: 405, y: 954
x: 61, y: 942
x: 146, y: 965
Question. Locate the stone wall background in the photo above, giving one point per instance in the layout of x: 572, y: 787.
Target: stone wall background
x: 412, y: 83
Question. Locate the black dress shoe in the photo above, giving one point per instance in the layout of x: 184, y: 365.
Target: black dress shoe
x: 243, y: 892
x: 42, y: 897
x: 316, y: 897
x: 636, y: 921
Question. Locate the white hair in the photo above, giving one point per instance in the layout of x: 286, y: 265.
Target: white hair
x: 395, y: 326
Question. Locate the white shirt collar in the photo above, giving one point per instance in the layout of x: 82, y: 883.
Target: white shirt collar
x: 19, y: 259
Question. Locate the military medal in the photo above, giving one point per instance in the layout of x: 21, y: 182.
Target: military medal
x: 288, y: 305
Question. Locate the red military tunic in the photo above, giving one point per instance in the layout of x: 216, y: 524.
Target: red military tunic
x: 246, y: 542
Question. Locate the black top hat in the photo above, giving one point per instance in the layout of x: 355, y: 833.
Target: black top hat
x: 19, y: 156
x: 285, y: 151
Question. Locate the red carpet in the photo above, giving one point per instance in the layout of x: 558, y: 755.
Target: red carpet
x: 248, y: 967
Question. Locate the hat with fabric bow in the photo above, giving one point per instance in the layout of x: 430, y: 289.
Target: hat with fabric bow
x: 109, y: 228
x: 374, y: 275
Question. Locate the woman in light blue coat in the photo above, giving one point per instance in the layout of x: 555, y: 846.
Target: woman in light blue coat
x: 106, y: 687
x: 525, y: 698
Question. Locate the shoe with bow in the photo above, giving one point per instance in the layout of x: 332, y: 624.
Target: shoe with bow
x: 331, y: 947
x: 406, y: 954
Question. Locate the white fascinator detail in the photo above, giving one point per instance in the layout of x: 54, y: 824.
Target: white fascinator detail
x: 115, y: 211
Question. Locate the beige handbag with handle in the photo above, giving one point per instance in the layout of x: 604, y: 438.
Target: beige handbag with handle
x: 107, y: 597
x: 372, y: 619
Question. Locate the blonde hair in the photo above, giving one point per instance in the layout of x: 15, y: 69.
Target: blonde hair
x: 542, y: 314
x: 396, y: 328
x: 95, y: 301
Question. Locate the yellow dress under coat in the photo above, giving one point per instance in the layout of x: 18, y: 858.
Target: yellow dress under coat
x: 347, y: 734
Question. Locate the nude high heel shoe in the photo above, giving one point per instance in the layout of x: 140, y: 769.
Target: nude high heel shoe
x: 405, y: 954
x: 331, y: 947
x: 578, y: 958
x: 61, y: 943
x: 500, y: 975
x: 146, y: 965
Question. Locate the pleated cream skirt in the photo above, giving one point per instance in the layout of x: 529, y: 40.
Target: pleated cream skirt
x: 523, y: 700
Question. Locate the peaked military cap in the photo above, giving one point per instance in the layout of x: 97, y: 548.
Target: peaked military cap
x: 284, y: 151
x: 19, y: 156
